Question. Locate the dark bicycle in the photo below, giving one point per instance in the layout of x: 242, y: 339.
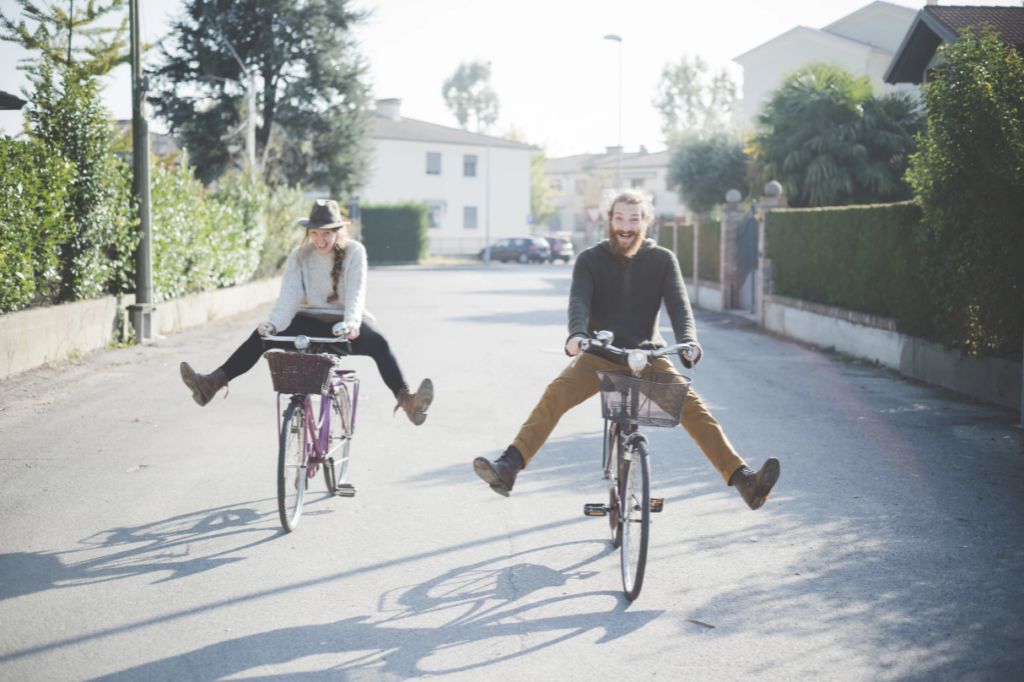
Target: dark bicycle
x: 312, y: 437
x: 631, y: 398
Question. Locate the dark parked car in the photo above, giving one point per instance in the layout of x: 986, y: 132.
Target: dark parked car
x: 561, y: 247
x: 520, y: 249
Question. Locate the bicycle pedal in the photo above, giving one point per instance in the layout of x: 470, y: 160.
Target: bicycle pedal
x: 345, y: 490
x: 592, y: 509
x: 657, y: 504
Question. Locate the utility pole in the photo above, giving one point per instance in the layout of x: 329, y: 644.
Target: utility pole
x: 141, y: 314
x: 618, y: 163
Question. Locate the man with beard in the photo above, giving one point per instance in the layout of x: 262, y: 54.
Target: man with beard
x: 618, y: 285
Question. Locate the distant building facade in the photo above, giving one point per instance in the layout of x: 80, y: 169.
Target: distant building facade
x: 863, y: 42
x: 446, y: 168
x: 581, y: 181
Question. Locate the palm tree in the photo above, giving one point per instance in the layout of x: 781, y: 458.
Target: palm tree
x: 830, y: 142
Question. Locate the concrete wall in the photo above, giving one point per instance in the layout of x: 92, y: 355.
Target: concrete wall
x: 707, y: 296
x: 31, y: 338
x: 993, y: 379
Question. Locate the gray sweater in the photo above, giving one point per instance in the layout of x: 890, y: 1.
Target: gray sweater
x: 624, y: 296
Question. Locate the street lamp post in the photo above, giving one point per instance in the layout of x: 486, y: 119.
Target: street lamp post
x: 141, y: 313
x: 618, y: 164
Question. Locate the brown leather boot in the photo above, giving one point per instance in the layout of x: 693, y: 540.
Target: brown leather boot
x: 415, y: 404
x: 500, y: 475
x: 755, y: 487
x: 203, y: 386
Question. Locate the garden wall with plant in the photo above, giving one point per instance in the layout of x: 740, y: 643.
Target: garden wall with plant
x: 395, y: 233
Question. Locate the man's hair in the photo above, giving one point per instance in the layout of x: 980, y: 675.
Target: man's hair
x: 634, y: 196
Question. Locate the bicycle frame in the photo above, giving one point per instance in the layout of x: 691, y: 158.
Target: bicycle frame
x: 317, y: 430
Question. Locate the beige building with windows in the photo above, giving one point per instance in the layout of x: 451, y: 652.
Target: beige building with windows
x: 582, y: 180
x: 446, y: 168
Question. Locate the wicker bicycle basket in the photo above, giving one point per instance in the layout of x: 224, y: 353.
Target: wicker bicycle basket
x: 652, y: 399
x: 300, y: 372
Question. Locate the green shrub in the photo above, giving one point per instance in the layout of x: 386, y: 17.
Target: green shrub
x: 685, y: 246
x: 202, y: 240
x: 33, y: 221
x: 66, y: 115
x: 286, y: 206
x: 862, y: 258
x: 969, y: 181
x: 395, y: 233
x: 710, y: 245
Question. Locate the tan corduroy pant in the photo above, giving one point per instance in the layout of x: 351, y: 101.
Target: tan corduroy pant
x: 578, y: 382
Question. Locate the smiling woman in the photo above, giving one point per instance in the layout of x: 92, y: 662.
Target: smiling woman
x: 323, y: 294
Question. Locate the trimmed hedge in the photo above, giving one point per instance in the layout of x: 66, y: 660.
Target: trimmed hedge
x: 710, y: 248
x: 395, y: 233
x: 34, y: 222
x: 862, y: 258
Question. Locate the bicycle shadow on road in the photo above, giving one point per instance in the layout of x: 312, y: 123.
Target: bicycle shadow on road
x: 168, y: 546
x: 494, y: 611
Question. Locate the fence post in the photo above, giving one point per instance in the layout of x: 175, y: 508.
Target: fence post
x: 772, y: 198
x: 732, y: 213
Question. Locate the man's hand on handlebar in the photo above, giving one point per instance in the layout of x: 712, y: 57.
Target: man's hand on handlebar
x: 266, y: 329
x: 572, y: 346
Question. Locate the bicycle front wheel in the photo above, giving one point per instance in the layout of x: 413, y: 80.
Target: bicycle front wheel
x: 636, y: 519
x: 615, y: 469
x: 336, y: 468
x: 291, y: 466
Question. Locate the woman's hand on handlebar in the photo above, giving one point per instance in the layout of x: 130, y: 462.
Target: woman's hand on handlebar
x: 266, y: 329
x: 342, y: 329
x: 572, y: 346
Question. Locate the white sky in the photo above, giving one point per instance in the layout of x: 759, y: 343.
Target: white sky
x: 555, y: 76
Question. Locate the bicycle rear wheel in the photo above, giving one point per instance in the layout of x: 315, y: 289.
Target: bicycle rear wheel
x: 291, y: 469
x: 336, y: 468
x: 636, y: 519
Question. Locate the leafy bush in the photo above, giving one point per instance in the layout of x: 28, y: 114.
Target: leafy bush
x: 33, y: 221
x: 203, y: 240
x: 830, y: 142
x: 703, y: 168
x: 395, y: 233
x: 862, y: 258
x: 969, y: 181
x: 286, y: 206
x: 69, y: 119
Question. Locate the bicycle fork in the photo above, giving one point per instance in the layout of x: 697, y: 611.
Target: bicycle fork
x: 615, y: 477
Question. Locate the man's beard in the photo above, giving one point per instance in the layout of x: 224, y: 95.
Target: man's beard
x: 617, y: 248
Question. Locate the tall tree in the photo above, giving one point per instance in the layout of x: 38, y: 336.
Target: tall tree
x: 691, y: 98
x: 969, y: 180
x: 703, y: 167
x: 468, y: 95
x: 830, y: 141
x: 50, y: 32
x: 312, y: 93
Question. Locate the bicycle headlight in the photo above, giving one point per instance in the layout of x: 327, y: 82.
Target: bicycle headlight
x: 637, y: 360
x: 302, y: 342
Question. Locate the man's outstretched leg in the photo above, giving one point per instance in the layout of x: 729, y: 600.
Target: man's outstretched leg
x: 576, y: 383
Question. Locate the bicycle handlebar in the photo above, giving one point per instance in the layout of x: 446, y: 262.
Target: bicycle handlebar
x: 651, y: 354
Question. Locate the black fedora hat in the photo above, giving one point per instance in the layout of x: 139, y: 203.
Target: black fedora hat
x: 325, y: 215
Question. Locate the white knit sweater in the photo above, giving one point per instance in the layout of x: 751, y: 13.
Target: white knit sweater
x: 307, y: 284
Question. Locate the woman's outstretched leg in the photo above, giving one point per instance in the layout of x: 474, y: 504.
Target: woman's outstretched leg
x: 372, y: 343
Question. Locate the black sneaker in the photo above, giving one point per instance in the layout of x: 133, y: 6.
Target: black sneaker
x: 755, y: 487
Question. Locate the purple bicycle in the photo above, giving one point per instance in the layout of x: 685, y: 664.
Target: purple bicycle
x: 311, y: 436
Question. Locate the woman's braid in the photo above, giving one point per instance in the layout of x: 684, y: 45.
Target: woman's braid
x: 339, y: 258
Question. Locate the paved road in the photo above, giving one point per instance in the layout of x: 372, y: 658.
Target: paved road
x: 140, y: 540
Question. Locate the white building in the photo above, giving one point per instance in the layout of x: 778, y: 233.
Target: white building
x: 582, y: 179
x: 863, y: 42
x: 446, y: 168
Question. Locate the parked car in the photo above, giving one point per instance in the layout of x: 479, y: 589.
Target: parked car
x: 561, y: 247
x: 520, y: 249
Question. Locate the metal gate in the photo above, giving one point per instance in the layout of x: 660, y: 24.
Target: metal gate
x: 746, y: 262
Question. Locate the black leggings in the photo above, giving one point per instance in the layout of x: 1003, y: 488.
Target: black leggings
x: 369, y: 342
